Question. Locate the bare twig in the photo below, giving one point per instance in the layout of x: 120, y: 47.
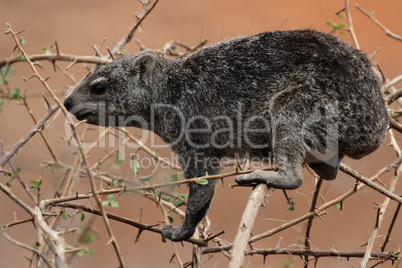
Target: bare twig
x: 379, y: 24
x: 140, y: 18
x: 18, y: 243
x: 246, y: 225
x: 350, y: 25
x: 370, y: 183
x: 97, y: 198
x: 380, y: 218
x: 124, y: 220
x: 55, y: 57
x: 310, y: 220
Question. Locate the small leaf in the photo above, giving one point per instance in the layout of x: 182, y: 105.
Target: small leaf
x: 105, y: 203
x: 146, y: 178
x: 23, y: 41
x: 170, y: 218
x: 158, y: 193
x: 136, y: 167
x: 89, y: 238
x: 202, y: 181
x: 91, y: 253
x: 42, y: 165
x: 337, y: 206
x: 178, y: 202
x: 291, y: 206
x: 15, y: 95
x: 82, y: 216
x: 117, y: 182
x: 65, y: 215
x: 174, y: 177
x: 167, y: 199
x: 36, y: 184
x: 118, y: 160
x: 80, y: 253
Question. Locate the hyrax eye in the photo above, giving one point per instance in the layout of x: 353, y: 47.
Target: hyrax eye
x: 98, y: 88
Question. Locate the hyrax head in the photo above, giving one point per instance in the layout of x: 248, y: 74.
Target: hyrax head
x: 116, y: 94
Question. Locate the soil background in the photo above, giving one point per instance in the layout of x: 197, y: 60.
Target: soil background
x: 78, y: 25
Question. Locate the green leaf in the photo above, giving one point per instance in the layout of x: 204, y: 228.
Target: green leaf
x: 42, y: 165
x: 174, y: 177
x: 111, y: 202
x: 16, y: 94
x: 288, y: 263
x: 202, y: 181
x: 118, y: 160
x: 117, y: 182
x: 36, y: 184
x: 89, y: 238
x: 145, y: 178
x: 340, y: 15
x: 64, y: 215
x: 170, y: 218
x: 80, y: 253
x: 167, y: 199
x: 178, y: 202
x: 136, y: 167
x: 82, y: 216
x: 337, y: 206
x: 91, y: 253
x: 291, y: 206
x: 340, y: 25
x: 23, y: 41
x: 1, y: 103
x: 158, y: 192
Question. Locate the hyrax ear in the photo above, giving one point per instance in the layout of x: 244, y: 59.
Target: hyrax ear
x: 144, y: 65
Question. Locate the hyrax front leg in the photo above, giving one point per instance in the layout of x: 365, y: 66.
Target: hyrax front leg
x: 199, y: 198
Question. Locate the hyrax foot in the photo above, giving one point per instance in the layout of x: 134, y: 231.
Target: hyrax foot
x: 176, y: 233
x: 273, y: 179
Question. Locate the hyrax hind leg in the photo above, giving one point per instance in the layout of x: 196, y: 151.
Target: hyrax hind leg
x: 287, y: 149
x: 328, y: 169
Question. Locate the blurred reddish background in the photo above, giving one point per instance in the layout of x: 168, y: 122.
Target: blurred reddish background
x: 78, y: 25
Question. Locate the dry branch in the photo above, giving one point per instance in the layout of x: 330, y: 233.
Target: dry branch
x: 139, y: 225
x: 246, y: 225
x: 55, y: 57
x: 379, y: 24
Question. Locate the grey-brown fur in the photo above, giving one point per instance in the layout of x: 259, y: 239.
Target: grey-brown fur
x: 299, y: 96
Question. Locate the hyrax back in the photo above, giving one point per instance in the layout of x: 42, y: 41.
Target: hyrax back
x: 296, y: 96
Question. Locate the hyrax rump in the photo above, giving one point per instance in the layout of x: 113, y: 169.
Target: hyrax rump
x: 300, y: 97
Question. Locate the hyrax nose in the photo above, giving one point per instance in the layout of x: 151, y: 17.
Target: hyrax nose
x: 68, y: 103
